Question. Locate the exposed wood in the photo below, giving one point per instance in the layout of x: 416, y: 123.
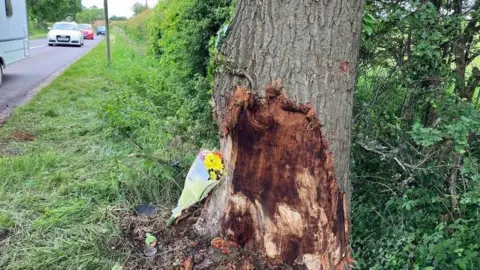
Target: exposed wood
x: 284, y: 200
x: 305, y: 44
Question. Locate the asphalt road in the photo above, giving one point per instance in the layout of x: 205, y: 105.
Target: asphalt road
x: 23, y: 78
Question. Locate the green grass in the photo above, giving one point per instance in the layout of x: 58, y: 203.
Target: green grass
x: 55, y: 195
x: 38, y: 33
x: 61, y: 194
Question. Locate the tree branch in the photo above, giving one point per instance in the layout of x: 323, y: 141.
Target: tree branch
x: 453, y: 181
x: 405, y: 166
x: 473, y: 82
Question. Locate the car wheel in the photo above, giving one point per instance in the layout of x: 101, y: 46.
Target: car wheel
x: 1, y: 75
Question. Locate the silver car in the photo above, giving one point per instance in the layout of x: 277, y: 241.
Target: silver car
x: 65, y: 33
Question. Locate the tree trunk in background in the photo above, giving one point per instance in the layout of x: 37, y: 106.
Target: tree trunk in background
x: 280, y: 197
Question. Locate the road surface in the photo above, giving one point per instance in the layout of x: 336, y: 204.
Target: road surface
x: 23, y: 78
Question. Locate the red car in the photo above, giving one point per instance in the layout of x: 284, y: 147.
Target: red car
x: 87, y: 31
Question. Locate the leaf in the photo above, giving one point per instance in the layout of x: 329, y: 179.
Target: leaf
x: 368, y: 29
x: 149, y: 239
x: 425, y: 136
x: 117, y: 266
x: 461, y: 263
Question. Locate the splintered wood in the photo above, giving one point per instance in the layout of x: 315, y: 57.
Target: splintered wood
x: 283, y: 202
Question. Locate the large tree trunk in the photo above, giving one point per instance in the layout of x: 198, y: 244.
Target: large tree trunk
x: 280, y: 197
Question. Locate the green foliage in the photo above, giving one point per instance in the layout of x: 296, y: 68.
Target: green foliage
x: 36, y: 32
x: 103, y: 143
x: 138, y: 8
x: 89, y: 15
x: 369, y: 23
x: 118, y: 18
x: 6, y: 221
x: 53, y: 10
x: 181, y: 30
x: 162, y: 105
x: 169, y: 87
x: 425, y: 136
x: 149, y: 239
x: 136, y: 27
x: 413, y: 126
x: 58, y: 191
x: 42, y: 11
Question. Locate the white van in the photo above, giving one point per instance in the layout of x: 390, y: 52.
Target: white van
x: 14, y: 45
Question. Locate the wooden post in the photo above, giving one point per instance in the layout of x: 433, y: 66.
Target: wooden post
x: 107, y: 27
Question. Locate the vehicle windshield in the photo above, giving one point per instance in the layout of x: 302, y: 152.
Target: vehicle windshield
x: 65, y: 26
x: 85, y: 26
x: 101, y: 28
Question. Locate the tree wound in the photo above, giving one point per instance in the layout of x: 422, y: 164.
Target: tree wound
x: 285, y: 201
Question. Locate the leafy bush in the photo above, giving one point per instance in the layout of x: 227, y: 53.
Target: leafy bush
x: 137, y: 26
x: 160, y: 97
x: 415, y: 156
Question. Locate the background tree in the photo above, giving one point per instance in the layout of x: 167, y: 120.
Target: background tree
x: 53, y: 10
x: 89, y: 15
x: 138, y: 8
x: 118, y: 18
x: 281, y: 197
x: 415, y: 156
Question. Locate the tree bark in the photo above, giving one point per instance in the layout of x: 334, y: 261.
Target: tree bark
x: 286, y: 193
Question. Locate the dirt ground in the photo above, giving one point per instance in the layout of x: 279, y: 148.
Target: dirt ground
x: 179, y: 247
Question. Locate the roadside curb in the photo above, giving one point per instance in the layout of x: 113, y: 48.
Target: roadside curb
x: 7, y: 113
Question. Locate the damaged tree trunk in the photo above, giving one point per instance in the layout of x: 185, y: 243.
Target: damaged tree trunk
x: 285, y: 196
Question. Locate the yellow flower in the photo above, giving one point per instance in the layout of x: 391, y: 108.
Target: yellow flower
x: 213, y: 175
x: 213, y: 162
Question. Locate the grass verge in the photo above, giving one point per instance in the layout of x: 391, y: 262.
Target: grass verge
x: 66, y: 175
x: 38, y: 33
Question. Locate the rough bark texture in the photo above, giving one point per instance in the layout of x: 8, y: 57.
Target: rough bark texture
x: 312, y: 46
x: 280, y: 196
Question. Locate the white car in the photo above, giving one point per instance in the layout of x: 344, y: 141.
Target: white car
x: 65, y: 33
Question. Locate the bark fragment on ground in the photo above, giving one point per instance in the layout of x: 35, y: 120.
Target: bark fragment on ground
x: 280, y: 199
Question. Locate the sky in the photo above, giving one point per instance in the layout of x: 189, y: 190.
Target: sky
x: 118, y: 7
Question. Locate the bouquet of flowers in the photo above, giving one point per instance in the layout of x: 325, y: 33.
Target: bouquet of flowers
x: 203, y: 176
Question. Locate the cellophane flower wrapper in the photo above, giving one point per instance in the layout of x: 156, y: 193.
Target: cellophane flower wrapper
x: 200, y: 180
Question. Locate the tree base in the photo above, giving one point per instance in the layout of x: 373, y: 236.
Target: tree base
x: 180, y: 248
